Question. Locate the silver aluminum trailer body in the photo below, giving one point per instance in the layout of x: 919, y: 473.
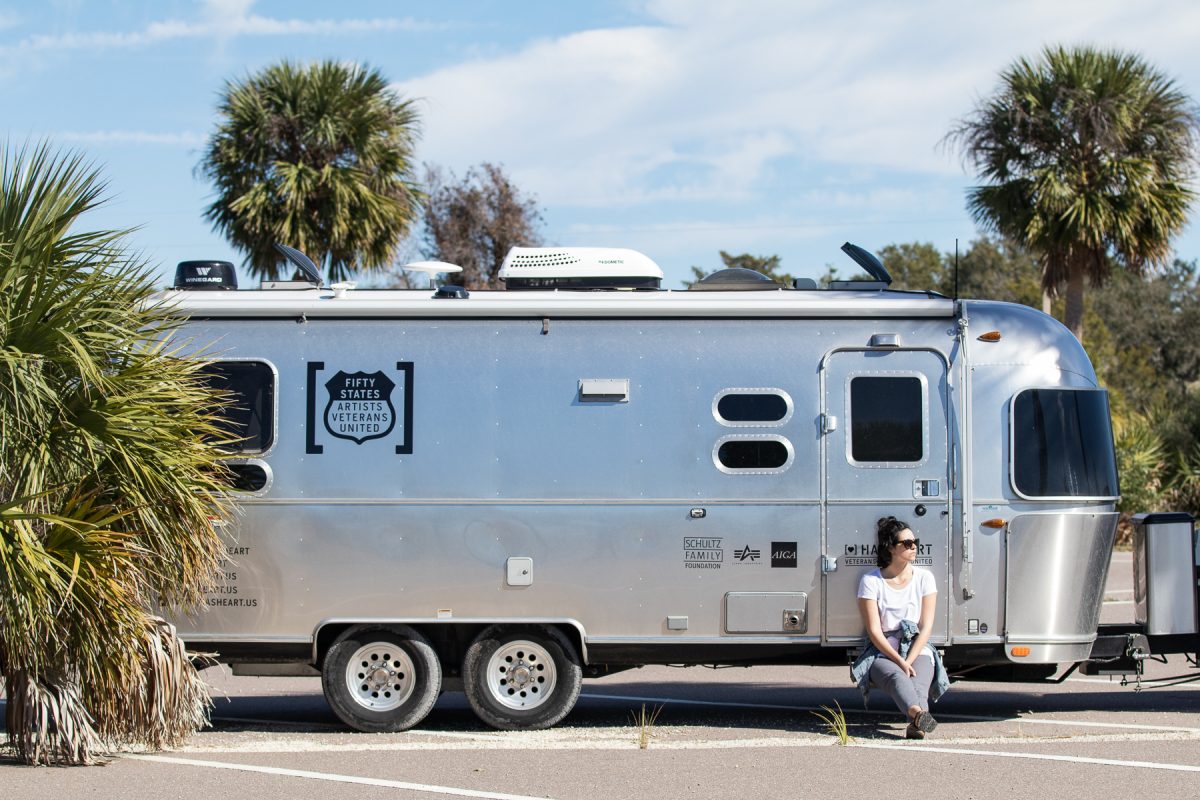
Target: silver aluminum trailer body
x: 623, y: 478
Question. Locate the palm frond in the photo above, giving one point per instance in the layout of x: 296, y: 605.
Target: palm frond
x: 109, y: 480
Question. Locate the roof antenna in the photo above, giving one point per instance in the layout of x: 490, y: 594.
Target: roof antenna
x: 956, y: 268
x: 431, y: 269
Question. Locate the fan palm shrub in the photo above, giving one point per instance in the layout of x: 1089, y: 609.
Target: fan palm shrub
x: 109, y: 483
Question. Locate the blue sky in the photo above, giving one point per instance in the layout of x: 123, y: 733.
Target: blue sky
x: 675, y: 127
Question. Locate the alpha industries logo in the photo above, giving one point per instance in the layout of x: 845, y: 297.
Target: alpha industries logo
x: 747, y: 555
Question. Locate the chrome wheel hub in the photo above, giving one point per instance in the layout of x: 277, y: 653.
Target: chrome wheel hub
x: 521, y: 675
x: 380, y: 676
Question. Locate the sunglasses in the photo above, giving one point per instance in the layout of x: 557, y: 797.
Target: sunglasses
x: 908, y: 544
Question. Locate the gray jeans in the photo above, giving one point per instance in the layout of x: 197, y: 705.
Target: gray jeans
x: 905, y: 690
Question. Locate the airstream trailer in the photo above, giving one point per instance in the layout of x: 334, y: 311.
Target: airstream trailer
x: 505, y: 492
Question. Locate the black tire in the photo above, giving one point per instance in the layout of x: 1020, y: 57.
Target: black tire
x: 381, y: 679
x: 521, y: 678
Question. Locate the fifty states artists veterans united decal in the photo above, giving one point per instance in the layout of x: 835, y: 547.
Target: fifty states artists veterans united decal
x: 360, y: 406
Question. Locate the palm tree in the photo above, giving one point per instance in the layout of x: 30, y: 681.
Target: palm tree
x: 318, y: 157
x: 108, y: 481
x: 1088, y: 155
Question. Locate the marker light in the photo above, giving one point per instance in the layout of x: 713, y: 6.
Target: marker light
x: 1020, y: 652
x: 990, y: 336
x: 993, y: 523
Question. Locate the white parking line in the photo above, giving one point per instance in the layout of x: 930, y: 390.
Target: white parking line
x: 336, y: 727
x: 328, y: 776
x: 1108, y: 762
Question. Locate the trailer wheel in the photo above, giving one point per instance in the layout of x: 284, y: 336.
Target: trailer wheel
x: 521, y: 679
x: 381, y: 679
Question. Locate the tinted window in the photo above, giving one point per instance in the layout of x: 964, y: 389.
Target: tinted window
x: 752, y: 407
x: 249, y: 417
x: 752, y: 454
x: 1063, y: 445
x: 885, y: 419
x: 247, y: 477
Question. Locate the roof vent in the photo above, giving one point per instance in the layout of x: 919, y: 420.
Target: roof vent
x: 870, y: 263
x: 734, y: 279
x: 205, y: 275
x: 578, y: 268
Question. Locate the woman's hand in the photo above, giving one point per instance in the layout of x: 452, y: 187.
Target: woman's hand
x: 908, y: 668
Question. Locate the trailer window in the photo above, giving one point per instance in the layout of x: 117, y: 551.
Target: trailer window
x: 1062, y: 444
x: 886, y: 416
x: 756, y: 454
x: 251, y: 417
x: 752, y: 407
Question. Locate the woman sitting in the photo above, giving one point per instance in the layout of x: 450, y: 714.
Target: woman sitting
x: 897, y: 603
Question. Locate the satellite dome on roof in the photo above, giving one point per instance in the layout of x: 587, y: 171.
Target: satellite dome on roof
x: 205, y: 275
x: 734, y: 279
x: 579, y: 268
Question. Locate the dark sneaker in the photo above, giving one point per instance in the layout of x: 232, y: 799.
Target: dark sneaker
x: 924, y: 722
x: 913, y: 732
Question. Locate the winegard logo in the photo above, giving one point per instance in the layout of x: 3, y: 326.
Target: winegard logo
x: 783, y: 554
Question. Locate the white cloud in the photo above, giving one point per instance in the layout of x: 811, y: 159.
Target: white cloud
x: 173, y: 139
x: 222, y: 19
x: 711, y: 100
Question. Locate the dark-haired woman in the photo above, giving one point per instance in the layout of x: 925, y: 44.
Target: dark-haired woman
x: 897, y: 602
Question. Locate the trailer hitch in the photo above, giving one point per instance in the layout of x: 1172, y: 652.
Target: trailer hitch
x: 1117, y: 654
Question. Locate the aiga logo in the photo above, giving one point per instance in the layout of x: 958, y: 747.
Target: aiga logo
x: 360, y: 406
x: 783, y: 554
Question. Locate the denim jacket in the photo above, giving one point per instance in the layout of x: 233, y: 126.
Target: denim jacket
x: 860, y: 672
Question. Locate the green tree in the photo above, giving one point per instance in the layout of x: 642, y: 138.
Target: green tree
x: 318, y: 157
x: 1156, y: 317
x: 915, y: 265
x: 994, y: 269
x: 767, y: 265
x: 1088, y: 155
x: 475, y: 221
x: 108, y: 486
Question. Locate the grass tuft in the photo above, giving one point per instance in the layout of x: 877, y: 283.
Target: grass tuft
x: 645, y: 720
x: 835, y: 722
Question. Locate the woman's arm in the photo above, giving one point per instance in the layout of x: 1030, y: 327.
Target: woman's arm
x: 869, y: 610
x: 924, y: 627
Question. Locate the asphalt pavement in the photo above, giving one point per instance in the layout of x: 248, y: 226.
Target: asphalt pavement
x: 719, y: 733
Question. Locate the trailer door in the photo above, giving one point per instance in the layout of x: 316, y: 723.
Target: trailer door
x: 885, y: 449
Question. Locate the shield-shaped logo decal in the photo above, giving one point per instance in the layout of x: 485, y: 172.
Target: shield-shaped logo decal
x: 360, y: 406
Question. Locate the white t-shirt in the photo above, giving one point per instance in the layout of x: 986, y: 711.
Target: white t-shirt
x: 897, y: 604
